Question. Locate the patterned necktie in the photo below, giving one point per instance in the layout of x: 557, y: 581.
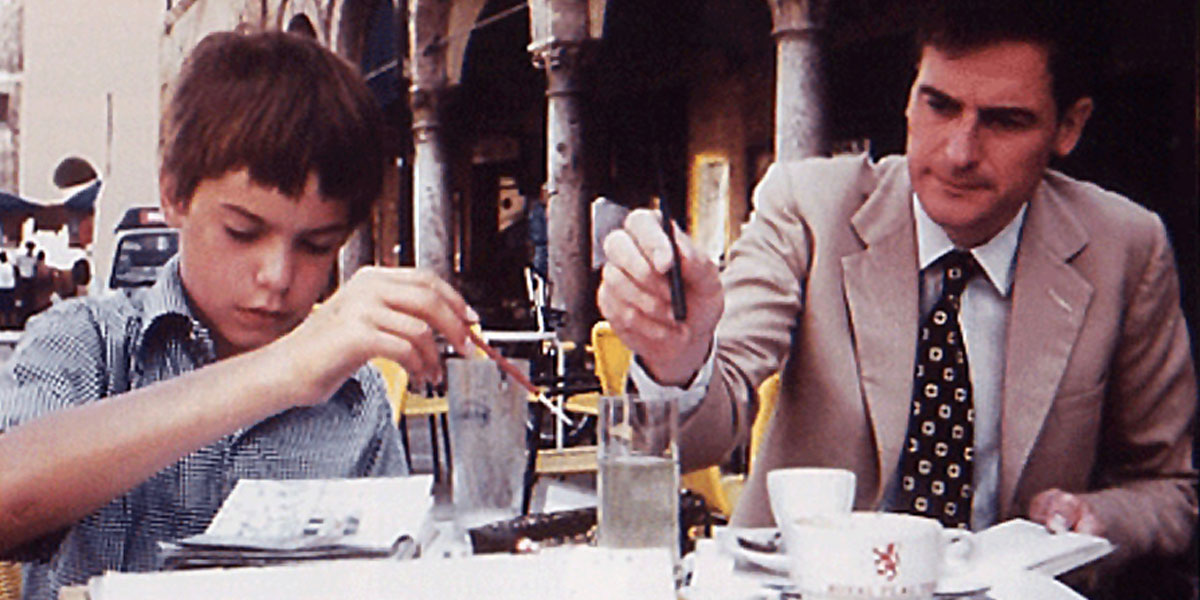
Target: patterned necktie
x: 936, y: 465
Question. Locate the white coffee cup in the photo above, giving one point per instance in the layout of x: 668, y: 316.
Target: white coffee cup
x: 800, y: 492
x: 794, y: 493
x: 872, y: 555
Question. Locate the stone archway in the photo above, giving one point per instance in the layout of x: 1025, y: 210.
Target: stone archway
x: 304, y: 16
x: 300, y: 24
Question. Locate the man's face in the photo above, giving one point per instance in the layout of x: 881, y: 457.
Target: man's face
x: 252, y: 260
x: 982, y: 127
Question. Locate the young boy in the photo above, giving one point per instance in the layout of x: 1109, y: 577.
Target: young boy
x: 127, y: 420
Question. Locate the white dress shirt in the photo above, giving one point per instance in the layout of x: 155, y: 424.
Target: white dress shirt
x: 983, y: 315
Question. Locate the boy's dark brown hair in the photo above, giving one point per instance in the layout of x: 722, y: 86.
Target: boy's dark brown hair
x: 282, y: 107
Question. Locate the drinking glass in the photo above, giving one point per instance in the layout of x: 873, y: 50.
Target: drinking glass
x: 639, y: 473
x: 487, y: 432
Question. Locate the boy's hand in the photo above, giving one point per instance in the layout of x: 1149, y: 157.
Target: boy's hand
x: 389, y: 312
x: 635, y: 297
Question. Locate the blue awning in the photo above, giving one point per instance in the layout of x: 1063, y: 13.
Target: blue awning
x: 84, y: 200
x: 14, y: 203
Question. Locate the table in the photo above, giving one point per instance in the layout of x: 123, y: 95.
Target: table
x: 576, y: 572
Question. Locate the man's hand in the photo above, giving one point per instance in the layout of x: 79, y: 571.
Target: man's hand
x: 1063, y: 511
x: 389, y: 312
x: 635, y: 297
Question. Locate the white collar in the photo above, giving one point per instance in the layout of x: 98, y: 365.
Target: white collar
x: 996, y: 256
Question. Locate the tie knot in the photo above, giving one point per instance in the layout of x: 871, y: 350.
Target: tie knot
x: 960, y: 268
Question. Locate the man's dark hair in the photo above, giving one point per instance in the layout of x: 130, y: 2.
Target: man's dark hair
x: 1070, y: 30
x: 281, y: 106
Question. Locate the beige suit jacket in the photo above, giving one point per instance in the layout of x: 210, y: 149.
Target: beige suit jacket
x: 1099, y: 386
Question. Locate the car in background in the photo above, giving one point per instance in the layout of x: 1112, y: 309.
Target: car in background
x: 143, y: 244
x: 141, y: 217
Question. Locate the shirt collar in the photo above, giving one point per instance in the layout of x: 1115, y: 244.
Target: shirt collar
x: 165, y: 307
x: 996, y: 257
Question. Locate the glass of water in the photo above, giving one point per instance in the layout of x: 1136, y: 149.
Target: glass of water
x: 639, y: 474
x: 487, y: 433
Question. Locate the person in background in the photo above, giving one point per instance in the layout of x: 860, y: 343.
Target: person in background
x: 44, y: 293
x: 26, y: 265
x: 539, y: 234
x: 8, y: 287
x: 81, y: 276
x: 977, y: 336
x: 125, y: 420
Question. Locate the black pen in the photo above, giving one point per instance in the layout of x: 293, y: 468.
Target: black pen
x: 675, y: 274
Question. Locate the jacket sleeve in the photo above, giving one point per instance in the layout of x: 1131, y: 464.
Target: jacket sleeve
x: 763, y: 283
x: 1145, y: 477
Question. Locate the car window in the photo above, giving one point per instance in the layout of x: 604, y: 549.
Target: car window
x: 139, y: 257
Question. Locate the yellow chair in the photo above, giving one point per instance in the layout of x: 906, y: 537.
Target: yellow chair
x: 396, y: 379
x: 612, y: 367
x: 768, y: 393
x: 406, y: 404
x: 10, y: 581
x: 612, y: 358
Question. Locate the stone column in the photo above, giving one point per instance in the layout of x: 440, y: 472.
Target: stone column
x: 567, y: 214
x: 799, y: 86
x: 559, y: 30
x: 432, y: 241
x: 431, y: 230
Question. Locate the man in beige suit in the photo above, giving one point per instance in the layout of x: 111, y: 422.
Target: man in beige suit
x: 1084, y: 387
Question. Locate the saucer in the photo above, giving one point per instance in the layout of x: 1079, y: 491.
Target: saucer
x: 768, y: 540
x: 950, y: 586
x: 758, y: 547
x: 762, y: 549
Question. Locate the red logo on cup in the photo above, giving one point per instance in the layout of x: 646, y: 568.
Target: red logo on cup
x: 887, y: 561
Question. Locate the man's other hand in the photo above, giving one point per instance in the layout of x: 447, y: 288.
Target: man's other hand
x: 1063, y: 511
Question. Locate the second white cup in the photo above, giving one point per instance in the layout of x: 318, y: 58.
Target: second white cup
x: 801, y: 492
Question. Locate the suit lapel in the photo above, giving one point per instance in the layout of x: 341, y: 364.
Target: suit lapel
x: 1049, y: 299
x: 880, y: 284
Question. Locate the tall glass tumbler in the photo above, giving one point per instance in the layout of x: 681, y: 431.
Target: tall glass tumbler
x: 487, y: 436
x: 639, y: 473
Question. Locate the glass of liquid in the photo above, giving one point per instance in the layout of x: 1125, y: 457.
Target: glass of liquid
x: 639, y: 474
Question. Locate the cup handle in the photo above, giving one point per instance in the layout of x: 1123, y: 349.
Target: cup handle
x: 960, y: 549
x: 777, y: 562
